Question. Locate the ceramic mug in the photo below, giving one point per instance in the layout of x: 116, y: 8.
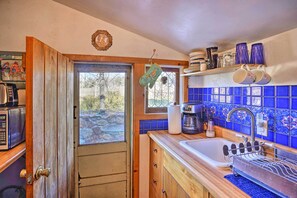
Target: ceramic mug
x: 203, y: 66
x: 244, y: 75
x: 262, y: 78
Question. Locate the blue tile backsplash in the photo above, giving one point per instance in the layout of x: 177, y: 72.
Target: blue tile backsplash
x: 277, y: 103
x: 153, y: 125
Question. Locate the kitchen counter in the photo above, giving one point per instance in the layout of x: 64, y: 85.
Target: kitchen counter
x: 210, y: 177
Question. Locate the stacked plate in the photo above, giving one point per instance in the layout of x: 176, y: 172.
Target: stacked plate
x: 195, y: 59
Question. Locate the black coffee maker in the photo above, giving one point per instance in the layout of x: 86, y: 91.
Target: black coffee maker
x: 192, y: 118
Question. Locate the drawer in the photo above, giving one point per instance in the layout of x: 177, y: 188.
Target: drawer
x: 156, y: 166
x: 154, y: 191
x: 155, y: 161
x: 155, y: 152
x: 155, y: 188
x: 155, y: 173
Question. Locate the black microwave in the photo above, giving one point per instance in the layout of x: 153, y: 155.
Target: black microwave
x: 12, y: 127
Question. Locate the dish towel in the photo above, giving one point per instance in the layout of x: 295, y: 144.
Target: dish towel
x: 151, y: 76
x: 249, y: 187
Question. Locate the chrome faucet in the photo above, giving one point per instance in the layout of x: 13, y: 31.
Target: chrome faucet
x: 252, y: 120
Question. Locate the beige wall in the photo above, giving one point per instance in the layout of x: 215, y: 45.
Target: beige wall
x: 69, y: 31
x: 281, y: 58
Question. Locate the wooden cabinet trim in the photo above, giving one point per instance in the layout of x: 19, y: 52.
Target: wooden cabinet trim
x: 118, y: 59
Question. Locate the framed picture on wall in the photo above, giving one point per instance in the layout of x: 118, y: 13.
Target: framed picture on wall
x: 12, y: 66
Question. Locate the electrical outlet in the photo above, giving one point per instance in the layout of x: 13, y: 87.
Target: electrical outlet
x: 265, y: 128
x: 262, y: 128
x: 261, y: 125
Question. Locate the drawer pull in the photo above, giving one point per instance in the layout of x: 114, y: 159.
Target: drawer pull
x: 155, y: 165
x: 164, y: 192
x: 155, y: 150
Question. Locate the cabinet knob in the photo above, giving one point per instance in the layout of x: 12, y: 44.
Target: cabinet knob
x: 155, y: 150
x: 154, y: 181
x: 164, y: 193
x: 155, y: 165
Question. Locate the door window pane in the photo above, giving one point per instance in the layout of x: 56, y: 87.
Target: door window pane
x: 102, y: 107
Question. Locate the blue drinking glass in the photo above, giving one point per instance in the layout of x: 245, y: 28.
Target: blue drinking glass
x: 242, y: 55
x: 257, y: 54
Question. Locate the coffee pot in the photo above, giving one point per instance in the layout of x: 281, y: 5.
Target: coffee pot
x: 192, y: 118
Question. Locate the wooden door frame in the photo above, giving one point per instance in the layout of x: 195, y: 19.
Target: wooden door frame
x: 104, y: 67
x: 138, y: 69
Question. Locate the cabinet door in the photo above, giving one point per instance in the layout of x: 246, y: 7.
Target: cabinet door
x: 171, y: 189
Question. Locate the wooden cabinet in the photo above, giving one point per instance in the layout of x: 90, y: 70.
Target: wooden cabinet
x: 170, y: 179
x: 156, y: 166
x: 171, y: 187
x: 184, y: 178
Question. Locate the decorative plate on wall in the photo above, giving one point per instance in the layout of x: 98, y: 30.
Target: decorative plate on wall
x: 101, y: 40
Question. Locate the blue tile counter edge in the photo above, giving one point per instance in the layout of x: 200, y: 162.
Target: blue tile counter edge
x: 277, y: 103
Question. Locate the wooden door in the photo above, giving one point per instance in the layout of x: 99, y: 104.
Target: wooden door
x: 102, y: 130
x: 49, y: 121
x: 171, y: 189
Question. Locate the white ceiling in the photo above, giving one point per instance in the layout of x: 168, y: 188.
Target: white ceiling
x: 185, y: 25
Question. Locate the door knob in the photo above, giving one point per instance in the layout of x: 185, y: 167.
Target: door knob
x: 42, y: 172
x: 23, y: 173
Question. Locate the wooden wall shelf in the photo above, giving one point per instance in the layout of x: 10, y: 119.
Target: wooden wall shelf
x: 217, y: 70
x: 12, y: 155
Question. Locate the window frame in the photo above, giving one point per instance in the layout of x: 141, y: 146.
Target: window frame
x: 163, y: 110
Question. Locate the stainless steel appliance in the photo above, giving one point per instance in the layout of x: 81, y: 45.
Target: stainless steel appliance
x: 8, y: 95
x: 192, y: 118
x: 12, y: 127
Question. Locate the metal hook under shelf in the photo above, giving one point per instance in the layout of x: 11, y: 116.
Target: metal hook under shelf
x: 151, y: 59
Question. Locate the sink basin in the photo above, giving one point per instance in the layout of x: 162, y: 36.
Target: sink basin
x: 209, y: 150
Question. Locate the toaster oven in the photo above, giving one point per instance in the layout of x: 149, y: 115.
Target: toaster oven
x: 8, y: 95
x: 12, y: 127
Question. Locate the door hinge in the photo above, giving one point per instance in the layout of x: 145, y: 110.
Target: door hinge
x: 79, y: 178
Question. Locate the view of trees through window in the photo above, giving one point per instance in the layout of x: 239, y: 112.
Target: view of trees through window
x: 164, y: 92
x: 102, y: 107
